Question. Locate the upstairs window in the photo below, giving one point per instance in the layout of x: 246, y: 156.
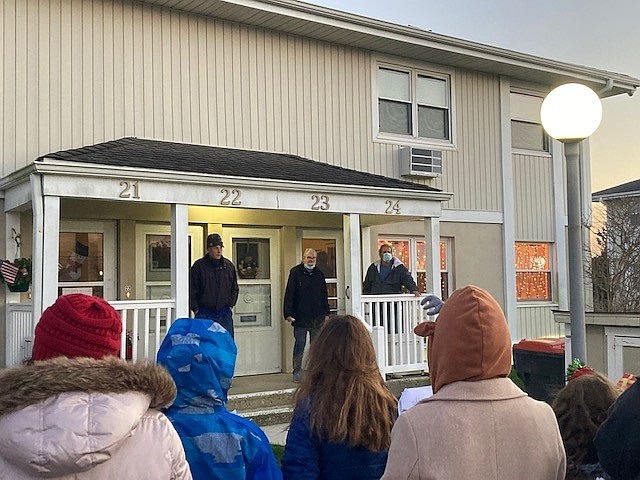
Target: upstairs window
x: 526, y: 128
x: 414, y: 104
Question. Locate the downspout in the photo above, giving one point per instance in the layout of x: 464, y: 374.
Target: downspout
x: 38, y: 240
x: 607, y: 86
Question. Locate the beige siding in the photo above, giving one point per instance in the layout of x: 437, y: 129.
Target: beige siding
x: 99, y: 70
x: 473, y: 171
x: 533, y: 189
x: 534, y: 322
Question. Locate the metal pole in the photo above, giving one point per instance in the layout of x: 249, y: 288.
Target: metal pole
x: 576, y: 271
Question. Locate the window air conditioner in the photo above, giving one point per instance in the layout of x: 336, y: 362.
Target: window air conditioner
x: 420, y: 162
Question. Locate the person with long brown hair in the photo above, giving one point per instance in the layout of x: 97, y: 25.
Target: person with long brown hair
x: 581, y: 407
x: 344, y: 412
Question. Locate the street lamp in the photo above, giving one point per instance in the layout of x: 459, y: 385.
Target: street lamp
x: 570, y: 113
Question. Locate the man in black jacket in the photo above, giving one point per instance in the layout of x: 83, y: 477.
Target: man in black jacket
x: 306, y: 305
x: 213, y: 285
x: 388, y: 276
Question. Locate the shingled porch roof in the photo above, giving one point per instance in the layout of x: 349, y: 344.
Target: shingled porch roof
x: 183, y: 157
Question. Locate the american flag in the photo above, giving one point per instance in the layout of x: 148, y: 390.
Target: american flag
x: 9, y: 271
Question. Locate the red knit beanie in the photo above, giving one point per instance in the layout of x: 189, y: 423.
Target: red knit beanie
x: 78, y: 325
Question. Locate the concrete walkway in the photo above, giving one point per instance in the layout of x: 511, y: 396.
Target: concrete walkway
x: 277, y: 434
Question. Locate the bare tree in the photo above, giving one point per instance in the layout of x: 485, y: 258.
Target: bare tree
x: 615, y: 266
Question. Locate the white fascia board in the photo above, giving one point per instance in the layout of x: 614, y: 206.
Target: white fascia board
x: 117, y: 183
x: 615, y: 196
x: 471, y: 216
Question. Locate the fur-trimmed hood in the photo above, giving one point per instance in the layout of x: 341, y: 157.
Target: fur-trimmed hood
x: 66, y: 416
x: 28, y: 384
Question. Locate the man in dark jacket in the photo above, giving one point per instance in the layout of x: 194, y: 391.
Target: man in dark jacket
x: 388, y: 276
x: 306, y: 305
x: 213, y: 285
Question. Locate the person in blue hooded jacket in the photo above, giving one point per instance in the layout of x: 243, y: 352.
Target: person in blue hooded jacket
x: 200, y: 355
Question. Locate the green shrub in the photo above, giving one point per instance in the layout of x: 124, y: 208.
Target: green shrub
x: 278, y: 450
x: 517, y: 380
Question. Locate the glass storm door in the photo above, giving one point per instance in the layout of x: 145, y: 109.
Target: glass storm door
x: 257, y: 316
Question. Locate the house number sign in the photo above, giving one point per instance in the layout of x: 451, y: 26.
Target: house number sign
x: 129, y: 189
x: 231, y: 197
x: 393, y: 207
x: 320, y: 202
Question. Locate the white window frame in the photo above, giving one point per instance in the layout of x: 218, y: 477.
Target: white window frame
x: 413, y: 139
x: 532, y: 119
x: 551, y: 270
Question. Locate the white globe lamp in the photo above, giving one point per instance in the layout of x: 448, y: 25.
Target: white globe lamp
x: 571, y: 112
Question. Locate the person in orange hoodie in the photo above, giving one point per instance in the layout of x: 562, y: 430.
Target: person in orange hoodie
x: 478, y: 423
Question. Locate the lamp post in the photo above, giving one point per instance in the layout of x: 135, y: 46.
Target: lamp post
x: 570, y: 113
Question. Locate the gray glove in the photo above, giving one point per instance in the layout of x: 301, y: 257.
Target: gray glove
x: 432, y: 304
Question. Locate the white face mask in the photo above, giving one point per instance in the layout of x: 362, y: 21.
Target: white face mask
x: 386, y: 257
x: 309, y: 266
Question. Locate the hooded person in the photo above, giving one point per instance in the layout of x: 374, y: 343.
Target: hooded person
x: 76, y: 411
x: 478, y: 423
x: 200, y: 355
x: 617, y: 440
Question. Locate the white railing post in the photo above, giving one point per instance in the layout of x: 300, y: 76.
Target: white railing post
x: 392, y: 319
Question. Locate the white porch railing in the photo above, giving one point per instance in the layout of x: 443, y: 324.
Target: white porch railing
x: 19, y: 336
x: 146, y: 321
x: 392, y: 318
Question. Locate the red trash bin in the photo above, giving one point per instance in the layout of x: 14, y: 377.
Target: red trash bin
x: 540, y: 364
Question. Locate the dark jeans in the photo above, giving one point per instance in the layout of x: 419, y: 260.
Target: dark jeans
x: 300, y: 335
x: 222, y: 316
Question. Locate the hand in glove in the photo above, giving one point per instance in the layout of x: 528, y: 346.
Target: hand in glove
x: 432, y: 304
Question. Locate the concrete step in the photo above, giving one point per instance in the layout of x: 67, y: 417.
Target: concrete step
x: 260, y: 400
x: 269, y: 416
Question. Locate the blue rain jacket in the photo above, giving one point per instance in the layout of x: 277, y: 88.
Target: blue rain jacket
x: 200, y: 355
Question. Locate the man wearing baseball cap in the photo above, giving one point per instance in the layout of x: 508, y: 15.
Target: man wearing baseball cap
x: 213, y: 285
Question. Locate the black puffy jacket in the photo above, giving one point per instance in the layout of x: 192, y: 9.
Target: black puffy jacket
x: 306, y: 298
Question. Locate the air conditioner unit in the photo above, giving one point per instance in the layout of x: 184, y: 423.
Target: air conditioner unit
x: 420, y: 162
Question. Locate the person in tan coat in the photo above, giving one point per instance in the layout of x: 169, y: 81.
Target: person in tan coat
x: 478, y: 424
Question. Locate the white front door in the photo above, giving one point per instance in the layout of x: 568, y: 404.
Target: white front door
x: 257, y: 316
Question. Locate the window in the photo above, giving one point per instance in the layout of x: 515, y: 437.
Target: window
x: 417, y: 262
x: 414, y: 103
x: 80, y: 263
x: 533, y: 272
x: 526, y: 128
x: 327, y: 263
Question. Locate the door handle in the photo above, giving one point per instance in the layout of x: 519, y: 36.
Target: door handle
x: 346, y: 293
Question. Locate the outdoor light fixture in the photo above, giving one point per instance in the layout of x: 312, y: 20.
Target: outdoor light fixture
x: 570, y: 113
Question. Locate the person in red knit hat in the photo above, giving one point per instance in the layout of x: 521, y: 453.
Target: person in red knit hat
x: 78, y: 325
x: 76, y: 410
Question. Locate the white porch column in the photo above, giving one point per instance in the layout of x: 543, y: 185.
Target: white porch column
x: 47, y: 292
x: 432, y: 238
x: 180, y: 259
x: 352, y: 262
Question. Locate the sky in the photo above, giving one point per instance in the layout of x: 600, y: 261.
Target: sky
x: 584, y: 32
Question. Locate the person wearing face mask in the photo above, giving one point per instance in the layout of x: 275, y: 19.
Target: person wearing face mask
x: 388, y: 276
x: 306, y: 305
